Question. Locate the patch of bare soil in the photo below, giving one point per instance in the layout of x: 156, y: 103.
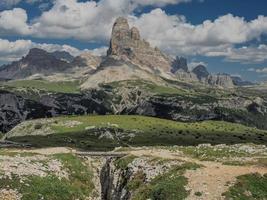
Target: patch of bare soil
x: 209, y: 181
x: 212, y: 180
x: 9, y: 195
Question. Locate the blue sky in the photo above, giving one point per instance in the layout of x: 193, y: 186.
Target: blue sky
x: 226, y: 35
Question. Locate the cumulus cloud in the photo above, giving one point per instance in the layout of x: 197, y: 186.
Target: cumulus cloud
x: 101, y: 51
x: 92, y: 21
x: 14, y: 22
x: 244, y: 54
x: 157, y: 2
x: 14, y: 50
x: 173, y: 34
x: 258, y: 70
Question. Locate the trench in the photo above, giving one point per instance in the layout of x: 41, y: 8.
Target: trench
x: 114, y: 181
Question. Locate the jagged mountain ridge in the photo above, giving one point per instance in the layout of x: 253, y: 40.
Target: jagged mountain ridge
x: 37, y: 61
x: 134, y: 58
x: 157, y: 91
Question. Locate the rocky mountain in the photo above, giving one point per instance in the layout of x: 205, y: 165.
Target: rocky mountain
x: 87, y: 60
x: 63, y: 55
x: 201, y: 72
x: 129, y: 58
x: 126, y: 44
x: 179, y: 63
x: 37, y: 61
x: 221, y: 80
x: 133, y: 78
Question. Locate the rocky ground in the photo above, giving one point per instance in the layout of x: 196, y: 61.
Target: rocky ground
x: 193, y: 173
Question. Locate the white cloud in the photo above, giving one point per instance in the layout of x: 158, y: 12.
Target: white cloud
x: 263, y: 70
x: 14, y: 22
x: 244, y: 54
x: 173, y: 34
x: 92, y: 21
x: 101, y: 51
x: 157, y: 2
x: 259, y: 70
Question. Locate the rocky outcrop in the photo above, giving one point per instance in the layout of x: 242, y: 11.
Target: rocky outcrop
x: 201, y: 72
x: 186, y: 76
x: 15, y: 109
x: 36, y: 62
x: 63, y: 55
x: 87, y: 60
x: 126, y: 44
x: 179, y: 63
x: 221, y: 80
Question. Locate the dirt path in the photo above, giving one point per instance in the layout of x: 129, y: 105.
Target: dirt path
x: 214, y: 179
x: 211, y: 180
x: 46, y: 151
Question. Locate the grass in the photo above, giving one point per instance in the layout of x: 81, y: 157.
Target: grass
x: 170, y: 185
x: 122, y: 163
x: 81, y: 177
x: 78, y: 186
x: 147, y: 131
x: 248, y: 187
x: 59, y: 87
x: 211, y: 153
x: 164, y: 91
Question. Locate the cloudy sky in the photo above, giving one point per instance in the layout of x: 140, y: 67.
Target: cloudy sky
x: 226, y: 35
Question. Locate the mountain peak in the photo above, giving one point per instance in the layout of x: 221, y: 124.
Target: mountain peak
x: 201, y: 72
x: 36, y: 51
x: 126, y: 44
x: 179, y: 63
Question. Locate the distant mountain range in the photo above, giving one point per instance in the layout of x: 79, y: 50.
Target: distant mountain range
x: 129, y: 58
x: 133, y: 78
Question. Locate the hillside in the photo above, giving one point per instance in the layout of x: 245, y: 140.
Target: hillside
x: 173, y: 173
x: 110, y: 131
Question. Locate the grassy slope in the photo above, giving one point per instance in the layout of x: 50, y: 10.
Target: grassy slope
x: 248, y: 187
x: 60, y: 87
x: 147, y: 131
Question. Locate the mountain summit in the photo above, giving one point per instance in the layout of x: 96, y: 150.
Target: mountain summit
x: 37, y: 61
x: 127, y: 44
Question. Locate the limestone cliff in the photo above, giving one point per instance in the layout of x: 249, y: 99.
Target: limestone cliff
x: 127, y: 45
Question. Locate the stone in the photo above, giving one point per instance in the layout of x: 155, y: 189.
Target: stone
x: 221, y: 80
x: 87, y: 60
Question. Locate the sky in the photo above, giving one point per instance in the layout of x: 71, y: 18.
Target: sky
x: 228, y: 36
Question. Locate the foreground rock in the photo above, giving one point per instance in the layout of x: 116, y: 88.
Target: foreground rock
x: 143, y: 173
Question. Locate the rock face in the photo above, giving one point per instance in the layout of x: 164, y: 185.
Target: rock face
x: 186, y: 76
x: 179, y: 63
x: 36, y: 62
x: 14, y: 109
x: 127, y: 45
x: 63, y: 55
x: 87, y: 60
x: 201, y: 72
x: 221, y: 80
